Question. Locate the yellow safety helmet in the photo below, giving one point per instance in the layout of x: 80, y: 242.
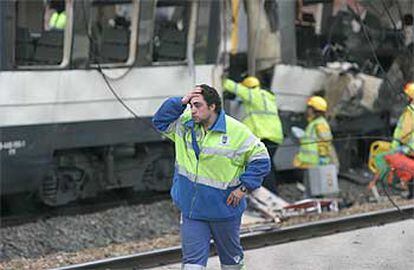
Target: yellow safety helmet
x: 409, y: 89
x: 318, y: 103
x: 251, y: 82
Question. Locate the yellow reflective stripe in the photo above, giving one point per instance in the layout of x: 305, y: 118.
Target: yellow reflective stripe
x: 264, y: 101
x: 190, y: 266
x: 239, y: 266
x: 309, y: 151
x: 172, y: 127
x: 262, y: 113
x: 247, y: 144
x: 206, y: 181
x: 231, y: 153
x: 189, y: 145
x: 180, y: 131
x: 325, y: 134
x: 261, y: 155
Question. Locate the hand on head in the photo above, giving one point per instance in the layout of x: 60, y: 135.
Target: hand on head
x: 193, y: 93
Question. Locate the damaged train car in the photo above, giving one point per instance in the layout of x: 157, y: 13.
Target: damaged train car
x: 65, y: 134
x: 77, y: 96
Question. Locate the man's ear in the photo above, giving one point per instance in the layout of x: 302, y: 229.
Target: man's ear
x: 212, y: 107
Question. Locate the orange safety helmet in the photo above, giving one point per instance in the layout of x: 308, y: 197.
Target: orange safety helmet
x: 409, y: 89
x: 251, y: 82
x: 318, y: 103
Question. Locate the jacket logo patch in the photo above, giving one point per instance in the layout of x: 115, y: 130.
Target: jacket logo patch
x: 224, y: 140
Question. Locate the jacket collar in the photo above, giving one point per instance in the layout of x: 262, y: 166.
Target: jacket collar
x: 218, y: 126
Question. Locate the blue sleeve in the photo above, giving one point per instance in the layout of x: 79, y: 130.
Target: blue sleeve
x: 255, y: 172
x: 169, y: 112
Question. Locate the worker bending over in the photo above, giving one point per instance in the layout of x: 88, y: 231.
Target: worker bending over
x: 316, y: 146
x: 403, y: 139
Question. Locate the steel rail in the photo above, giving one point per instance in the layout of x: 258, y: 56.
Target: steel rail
x: 254, y: 240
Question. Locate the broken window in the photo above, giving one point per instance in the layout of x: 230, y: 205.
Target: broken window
x: 170, y: 30
x: 40, y: 31
x: 111, y: 27
x: 208, y: 32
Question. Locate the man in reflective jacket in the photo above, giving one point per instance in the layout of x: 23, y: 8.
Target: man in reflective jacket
x: 57, y: 19
x: 403, y: 139
x: 218, y: 160
x: 261, y: 116
x: 316, y: 143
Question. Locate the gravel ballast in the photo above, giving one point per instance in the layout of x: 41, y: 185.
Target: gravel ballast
x: 73, y: 233
x: 123, y: 230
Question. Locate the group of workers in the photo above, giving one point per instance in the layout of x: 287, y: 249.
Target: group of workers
x: 219, y: 160
x: 263, y: 120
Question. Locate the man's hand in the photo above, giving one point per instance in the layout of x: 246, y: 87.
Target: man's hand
x: 193, y: 93
x: 235, y: 197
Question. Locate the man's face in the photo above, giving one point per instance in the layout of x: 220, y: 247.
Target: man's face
x: 310, y: 113
x: 200, y: 111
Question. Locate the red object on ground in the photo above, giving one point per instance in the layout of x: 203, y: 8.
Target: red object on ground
x: 401, y: 165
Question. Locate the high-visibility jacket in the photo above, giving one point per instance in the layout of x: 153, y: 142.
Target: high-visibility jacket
x: 404, y: 132
x: 211, y: 164
x: 261, y: 111
x: 316, y: 146
x: 58, y: 20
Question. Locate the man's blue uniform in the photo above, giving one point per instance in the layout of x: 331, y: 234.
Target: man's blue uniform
x: 209, y: 166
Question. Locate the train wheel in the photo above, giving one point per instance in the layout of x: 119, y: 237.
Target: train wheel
x: 64, y: 185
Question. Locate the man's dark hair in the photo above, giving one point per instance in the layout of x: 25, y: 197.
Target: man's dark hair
x: 408, y: 19
x: 211, y: 96
x: 58, y: 5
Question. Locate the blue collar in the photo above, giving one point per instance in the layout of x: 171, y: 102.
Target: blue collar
x: 218, y: 126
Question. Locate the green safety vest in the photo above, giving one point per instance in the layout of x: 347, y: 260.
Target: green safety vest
x: 404, y: 132
x: 58, y: 20
x: 223, y: 156
x: 261, y: 111
x: 309, y: 153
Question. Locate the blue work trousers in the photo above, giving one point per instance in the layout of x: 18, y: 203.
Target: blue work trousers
x: 195, y: 238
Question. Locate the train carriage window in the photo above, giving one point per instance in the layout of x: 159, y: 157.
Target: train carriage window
x: 41, y: 27
x: 208, y: 32
x: 112, y: 28
x: 170, y: 31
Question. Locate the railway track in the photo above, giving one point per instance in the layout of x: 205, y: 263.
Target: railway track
x: 45, y: 212
x: 266, y: 237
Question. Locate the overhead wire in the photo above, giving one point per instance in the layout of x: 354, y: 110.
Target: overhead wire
x: 130, y: 110
x: 365, y: 31
x: 370, y: 43
x: 399, y: 36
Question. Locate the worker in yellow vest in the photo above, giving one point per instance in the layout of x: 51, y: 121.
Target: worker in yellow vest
x: 261, y: 117
x: 404, y: 132
x: 403, y: 139
x: 57, y: 20
x: 316, y: 141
